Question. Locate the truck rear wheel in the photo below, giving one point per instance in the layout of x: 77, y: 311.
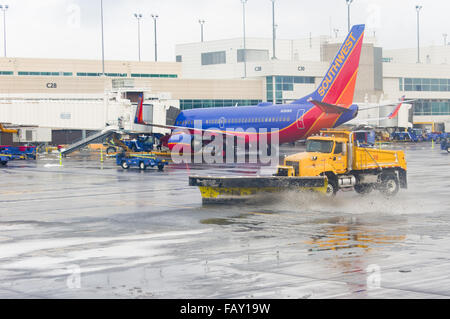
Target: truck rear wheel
x: 111, y: 150
x: 4, y: 163
x: 160, y: 167
x: 363, y: 189
x: 389, y: 185
x: 142, y: 166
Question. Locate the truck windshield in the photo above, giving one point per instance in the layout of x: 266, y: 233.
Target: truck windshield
x: 319, y: 146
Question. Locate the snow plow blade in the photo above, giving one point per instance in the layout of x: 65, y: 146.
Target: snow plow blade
x: 225, y: 189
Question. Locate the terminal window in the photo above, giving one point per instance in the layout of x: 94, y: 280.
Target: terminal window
x: 198, y: 104
x: 145, y: 75
x: 431, y: 107
x: 421, y: 84
x: 252, y: 55
x: 276, y: 85
x: 6, y: 73
x: 210, y: 58
x: 34, y: 73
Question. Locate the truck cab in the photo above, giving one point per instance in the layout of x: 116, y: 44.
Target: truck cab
x: 348, y: 162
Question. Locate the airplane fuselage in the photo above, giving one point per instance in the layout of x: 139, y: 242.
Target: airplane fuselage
x: 291, y: 122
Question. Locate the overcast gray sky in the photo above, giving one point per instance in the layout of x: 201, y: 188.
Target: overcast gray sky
x: 71, y: 28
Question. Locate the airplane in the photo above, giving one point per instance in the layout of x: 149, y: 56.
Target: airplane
x: 331, y: 105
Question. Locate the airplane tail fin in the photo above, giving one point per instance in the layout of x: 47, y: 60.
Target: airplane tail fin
x: 139, y: 118
x: 338, y: 85
x: 397, y: 109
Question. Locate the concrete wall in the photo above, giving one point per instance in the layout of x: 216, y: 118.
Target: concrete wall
x: 92, y: 66
x: 178, y: 88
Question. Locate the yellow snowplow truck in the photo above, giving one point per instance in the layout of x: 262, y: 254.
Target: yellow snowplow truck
x: 348, y: 163
x: 335, y: 159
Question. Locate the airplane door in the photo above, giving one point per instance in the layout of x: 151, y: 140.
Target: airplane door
x: 222, y: 123
x: 300, y: 121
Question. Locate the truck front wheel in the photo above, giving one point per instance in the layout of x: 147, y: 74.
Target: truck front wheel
x: 389, y: 185
x: 125, y: 165
x: 332, y: 188
x: 142, y: 166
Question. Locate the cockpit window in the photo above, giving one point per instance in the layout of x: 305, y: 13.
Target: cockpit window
x: 319, y: 146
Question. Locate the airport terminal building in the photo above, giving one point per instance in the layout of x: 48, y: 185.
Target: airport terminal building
x: 221, y: 73
x: 298, y: 66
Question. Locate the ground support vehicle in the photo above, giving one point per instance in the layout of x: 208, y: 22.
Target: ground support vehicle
x: 406, y: 136
x: 140, y: 160
x: 4, y: 160
x: 20, y: 152
x: 141, y: 144
x: 334, y: 157
x: 445, y: 144
x: 438, y: 137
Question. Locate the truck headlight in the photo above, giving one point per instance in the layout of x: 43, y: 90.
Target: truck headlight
x: 314, y: 158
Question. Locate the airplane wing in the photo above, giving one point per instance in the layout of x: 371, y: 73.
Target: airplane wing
x: 391, y: 116
x: 402, y: 100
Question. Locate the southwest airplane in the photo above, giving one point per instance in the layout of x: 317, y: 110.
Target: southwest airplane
x: 329, y: 106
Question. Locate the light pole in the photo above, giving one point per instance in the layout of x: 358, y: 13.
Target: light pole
x: 202, y: 22
x: 103, y: 40
x: 274, y: 32
x: 4, y: 8
x: 445, y: 39
x: 245, y: 44
x: 418, y: 8
x: 349, y: 2
x: 155, y: 17
x: 336, y: 31
x: 138, y: 17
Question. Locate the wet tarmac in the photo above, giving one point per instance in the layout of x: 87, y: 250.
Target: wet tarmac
x: 92, y: 230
